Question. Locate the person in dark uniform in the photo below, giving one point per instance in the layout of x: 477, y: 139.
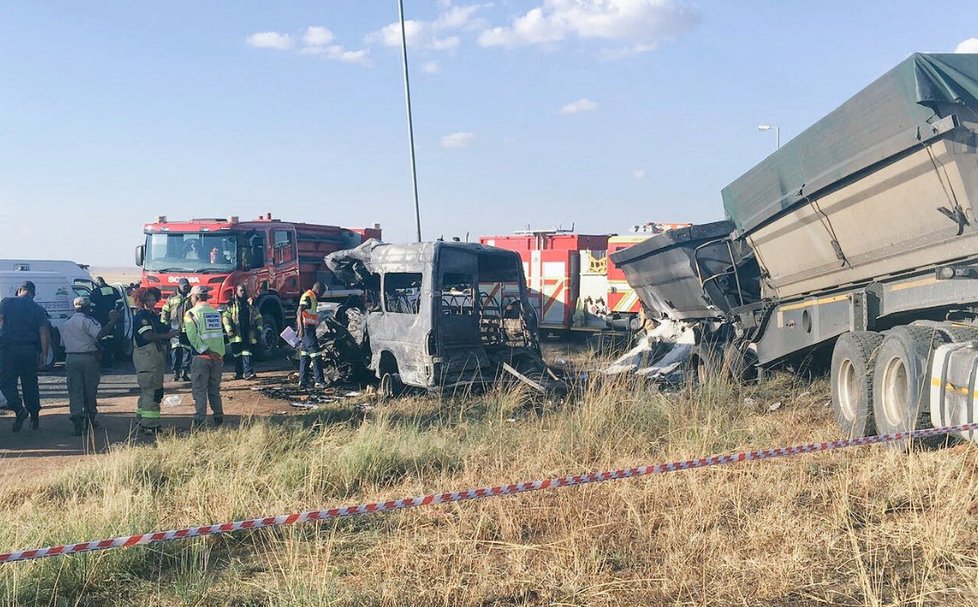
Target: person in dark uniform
x: 105, y: 299
x: 24, y: 342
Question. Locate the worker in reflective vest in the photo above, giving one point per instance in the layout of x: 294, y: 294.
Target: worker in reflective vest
x: 206, y: 335
x: 171, y: 315
x: 307, y: 320
x: 242, y: 322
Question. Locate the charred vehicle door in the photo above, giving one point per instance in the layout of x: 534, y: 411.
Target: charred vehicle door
x: 457, y: 333
x: 397, y: 330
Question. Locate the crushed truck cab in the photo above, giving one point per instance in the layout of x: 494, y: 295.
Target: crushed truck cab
x: 442, y: 314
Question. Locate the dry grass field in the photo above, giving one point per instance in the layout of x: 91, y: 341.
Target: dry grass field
x: 854, y: 527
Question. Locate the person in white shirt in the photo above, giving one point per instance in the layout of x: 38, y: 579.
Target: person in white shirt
x: 80, y: 336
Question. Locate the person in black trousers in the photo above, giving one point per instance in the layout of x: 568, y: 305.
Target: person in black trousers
x: 24, y: 343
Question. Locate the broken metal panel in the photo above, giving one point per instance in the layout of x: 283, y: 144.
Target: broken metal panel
x: 693, y: 273
x: 660, y: 354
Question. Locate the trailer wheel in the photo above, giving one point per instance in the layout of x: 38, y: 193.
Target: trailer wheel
x: 853, y: 364
x: 901, y: 396
x: 741, y: 366
x: 703, y: 364
x: 957, y: 334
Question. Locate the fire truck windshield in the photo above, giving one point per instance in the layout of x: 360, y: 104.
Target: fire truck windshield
x: 191, y: 252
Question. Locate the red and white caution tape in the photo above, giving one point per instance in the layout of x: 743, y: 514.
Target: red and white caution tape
x: 470, y: 494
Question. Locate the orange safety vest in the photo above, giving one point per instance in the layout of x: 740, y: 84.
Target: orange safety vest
x: 310, y: 316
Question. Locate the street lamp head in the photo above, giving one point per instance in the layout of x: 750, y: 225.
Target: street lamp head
x: 764, y: 127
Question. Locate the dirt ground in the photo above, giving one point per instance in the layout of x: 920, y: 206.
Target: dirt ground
x: 52, y: 446
x: 30, y: 453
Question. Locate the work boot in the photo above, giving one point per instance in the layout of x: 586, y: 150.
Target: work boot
x: 186, y: 376
x: 176, y: 377
x: 35, y: 420
x: 319, y: 385
x: 19, y: 422
x: 93, y: 423
x: 79, y: 427
x: 251, y: 375
x: 238, y: 376
x: 218, y: 420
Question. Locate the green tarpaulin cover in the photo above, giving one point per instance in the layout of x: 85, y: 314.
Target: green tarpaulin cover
x: 886, y: 118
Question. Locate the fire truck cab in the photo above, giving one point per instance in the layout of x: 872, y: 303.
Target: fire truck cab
x: 276, y: 260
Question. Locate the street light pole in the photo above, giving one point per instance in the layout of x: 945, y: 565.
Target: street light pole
x: 777, y: 132
x: 407, y: 101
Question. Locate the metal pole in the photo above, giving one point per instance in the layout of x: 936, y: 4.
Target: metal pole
x: 407, y: 100
x: 777, y: 134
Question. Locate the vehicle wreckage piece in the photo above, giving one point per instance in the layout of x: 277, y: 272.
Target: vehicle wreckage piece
x: 438, y: 315
x: 661, y: 353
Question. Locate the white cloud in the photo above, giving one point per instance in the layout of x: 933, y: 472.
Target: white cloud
x: 430, y: 67
x: 418, y: 35
x: 641, y: 25
x: 640, y: 173
x: 967, y: 46
x: 316, y: 41
x: 273, y: 40
x: 317, y: 35
x: 336, y: 52
x: 581, y: 105
x: 454, y: 141
x: 436, y: 35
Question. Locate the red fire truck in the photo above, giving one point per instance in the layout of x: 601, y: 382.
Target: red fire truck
x: 277, y: 260
x: 573, y: 284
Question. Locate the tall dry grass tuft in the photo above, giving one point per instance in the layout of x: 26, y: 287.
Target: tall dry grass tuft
x: 858, y: 527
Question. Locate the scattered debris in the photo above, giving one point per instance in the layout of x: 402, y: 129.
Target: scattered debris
x: 526, y: 380
x: 774, y: 406
x: 660, y: 354
x: 303, y: 405
x: 750, y: 402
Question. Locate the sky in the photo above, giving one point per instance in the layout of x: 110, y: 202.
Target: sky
x: 597, y: 114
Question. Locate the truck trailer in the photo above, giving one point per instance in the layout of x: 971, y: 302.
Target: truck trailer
x: 857, y: 240
x: 277, y: 261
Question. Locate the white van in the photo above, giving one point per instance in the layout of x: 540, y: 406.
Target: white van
x: 56, y: 292
x: 74, y: 271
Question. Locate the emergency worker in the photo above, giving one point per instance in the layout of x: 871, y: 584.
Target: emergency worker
x: 105, y: 299
x: 149, y: 357
x: 204, y: 330
x: 80, y: 336
x: 171, y: 315
x: 24, y: 342
x: 307, y: 319
x: 242, y: 321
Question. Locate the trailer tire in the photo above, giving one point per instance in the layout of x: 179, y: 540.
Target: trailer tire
x: 741, y: 366
x: 853, y: 366
x: 704, y: 364
x: 901, y: 393
x: 957, y: 334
